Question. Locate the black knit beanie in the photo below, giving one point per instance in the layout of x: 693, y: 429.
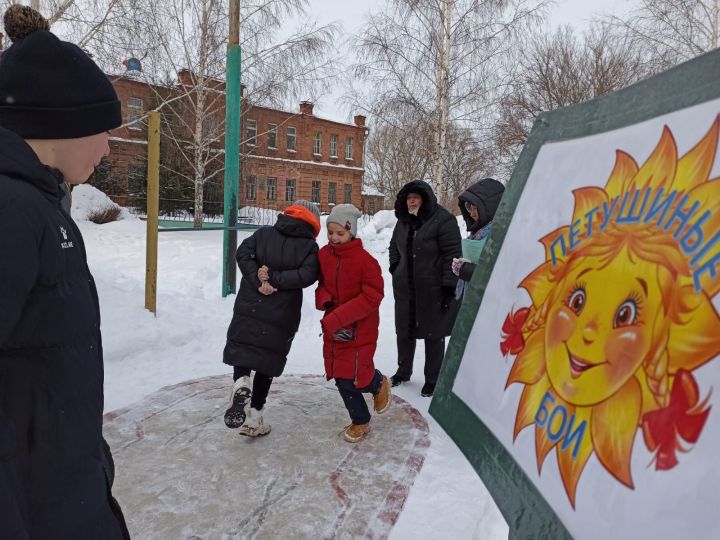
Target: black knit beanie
x: 51, y: 89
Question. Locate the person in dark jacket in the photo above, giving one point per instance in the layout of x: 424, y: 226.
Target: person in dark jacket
x: 424, y: 242
x: 56, y: 471
x: 478, y: 204
x: 277, y: 263
x: 350, y: 291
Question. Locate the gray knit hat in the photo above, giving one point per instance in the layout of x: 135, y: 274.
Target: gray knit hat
x: 345, y: 215
x: 310, y: 206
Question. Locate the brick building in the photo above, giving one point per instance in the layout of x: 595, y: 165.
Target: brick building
x: 289, y: 156
x: 284, y: 156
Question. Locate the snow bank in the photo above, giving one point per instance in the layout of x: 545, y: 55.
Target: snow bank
x: 384, y: 219
x: 87, y: 199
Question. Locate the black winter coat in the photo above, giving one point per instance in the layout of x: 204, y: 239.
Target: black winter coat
x: 421, y: 252
x: 263, y: 327
x: 53, y: 482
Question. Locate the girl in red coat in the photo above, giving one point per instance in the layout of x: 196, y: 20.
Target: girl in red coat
x: 350, y: 292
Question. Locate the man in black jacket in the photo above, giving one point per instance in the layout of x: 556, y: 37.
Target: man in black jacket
x: 425, y: 240
x: 56, y: 107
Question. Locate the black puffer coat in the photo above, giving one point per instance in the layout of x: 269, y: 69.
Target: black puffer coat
x: 421, y: 252
x: 263, y: 327
x: 53, y: 482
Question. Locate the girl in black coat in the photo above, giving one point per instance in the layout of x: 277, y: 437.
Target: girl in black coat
x: 425, y: 240
x: 277, y: 263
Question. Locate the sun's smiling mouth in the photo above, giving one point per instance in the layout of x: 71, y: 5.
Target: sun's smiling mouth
x: 578, y: 366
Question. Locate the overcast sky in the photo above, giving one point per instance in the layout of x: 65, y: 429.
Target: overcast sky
x: 350, y: 13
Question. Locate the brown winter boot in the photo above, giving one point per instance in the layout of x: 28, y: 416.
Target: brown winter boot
x: 356, y: 432
x: 383, y: 398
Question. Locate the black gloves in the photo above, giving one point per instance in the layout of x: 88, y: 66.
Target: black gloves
x: 448, y: 295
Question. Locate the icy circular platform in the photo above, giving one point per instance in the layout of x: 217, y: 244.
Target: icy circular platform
x: 181, y: 474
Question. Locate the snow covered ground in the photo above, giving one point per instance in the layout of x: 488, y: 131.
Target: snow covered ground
x: 184, y: 341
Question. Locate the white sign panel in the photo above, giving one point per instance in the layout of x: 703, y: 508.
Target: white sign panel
x: 593, y: 357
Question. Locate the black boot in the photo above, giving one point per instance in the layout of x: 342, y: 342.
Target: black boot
x: 396, y: 380
x: 427, y: 389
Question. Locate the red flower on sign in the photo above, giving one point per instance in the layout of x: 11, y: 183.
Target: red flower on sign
x: 683, y: 418
x: 513, y: 340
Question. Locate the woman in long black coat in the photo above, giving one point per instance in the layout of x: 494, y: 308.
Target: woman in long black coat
x: 277, y: 263
x: 425, y: 240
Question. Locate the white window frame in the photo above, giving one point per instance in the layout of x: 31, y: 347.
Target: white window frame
x: 291, y: 134
x: 333, y: 145
x: 316, y: 188
x: 290, y: 182
x: 251, y: 182
x: 317, y: 144
x: 349, y: 148
x: 272, y: 130
x: 135, y: 112
x: 251, y: 125
x: 271, y: 181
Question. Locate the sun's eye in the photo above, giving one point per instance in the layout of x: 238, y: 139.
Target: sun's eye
x: 576, y: 302
x: 626, y: 314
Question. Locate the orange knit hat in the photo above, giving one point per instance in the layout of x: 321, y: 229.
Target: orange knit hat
x: 304, y: 214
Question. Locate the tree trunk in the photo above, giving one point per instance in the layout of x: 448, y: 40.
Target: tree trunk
x: 199, y: 153
x: 442, y: 81
x: 715, y: 22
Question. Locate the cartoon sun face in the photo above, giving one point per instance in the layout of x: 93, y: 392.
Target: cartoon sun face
x: 597, y: 333
x: 621, y: 316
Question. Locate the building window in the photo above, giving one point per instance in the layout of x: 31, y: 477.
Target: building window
x: 317, y: 143
x: 251, y: 133
x: 332, y: 193
x: 315, y: 191
x: 210, y: 126
x: 272, y: 136
x: 371, y: 207
x: 348, y: 148
x: 291, y: 139
x: 251, y: 188
x: 271, y: 188
x: 347, y: 194
x: 135, y: 111
x: 333, y: 145
x: 290, y: 190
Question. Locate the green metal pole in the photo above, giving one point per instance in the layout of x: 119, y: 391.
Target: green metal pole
x: 232, y: 150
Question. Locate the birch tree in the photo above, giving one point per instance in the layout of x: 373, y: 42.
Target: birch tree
x: 400, y: 149
x: 273, y: 69
x: 441, y: 58
x: 672, y: 31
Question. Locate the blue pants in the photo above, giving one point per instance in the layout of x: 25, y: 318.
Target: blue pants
x: 353, y: 397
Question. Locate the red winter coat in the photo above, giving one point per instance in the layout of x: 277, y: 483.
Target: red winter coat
x: 350, y: 278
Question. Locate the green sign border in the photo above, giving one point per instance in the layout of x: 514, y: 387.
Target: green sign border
x: 523, y: 507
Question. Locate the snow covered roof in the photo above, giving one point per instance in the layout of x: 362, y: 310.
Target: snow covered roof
x: 367, y: 190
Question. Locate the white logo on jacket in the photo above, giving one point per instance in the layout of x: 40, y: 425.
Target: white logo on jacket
x: 65, y: 245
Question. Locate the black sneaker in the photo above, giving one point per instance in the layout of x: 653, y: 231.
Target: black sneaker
x: 427, y: 389
x: 235, y: 413
x: 396, y: 380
